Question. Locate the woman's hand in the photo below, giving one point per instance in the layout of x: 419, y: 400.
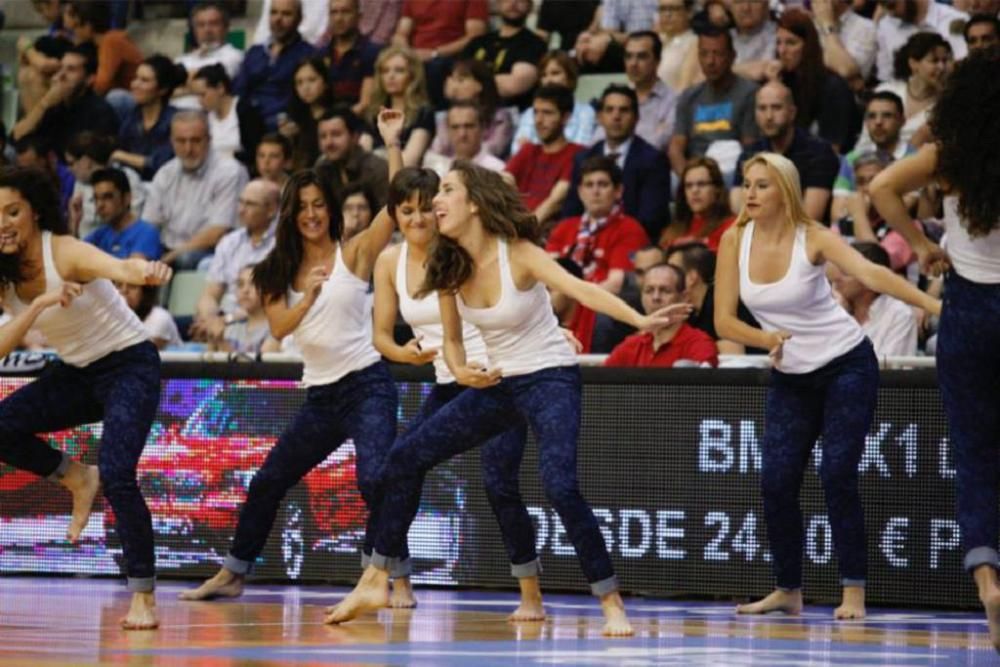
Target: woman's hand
x: 775, y: 346
x: 477, y: 376
x: 390, y: 126
x: 416, y: 355
x: 63, y: 296
x: 665, y: 317
x: 157, y: 273
x: 288, y: 128
x: 573, y: 341
x: 933, y: 259
x: 314, y: 282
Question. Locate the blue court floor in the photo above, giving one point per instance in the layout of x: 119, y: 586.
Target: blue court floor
x: 75, y: 621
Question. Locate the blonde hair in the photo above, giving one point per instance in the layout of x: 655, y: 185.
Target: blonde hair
x: 787, y: 178
x: 415, y: 95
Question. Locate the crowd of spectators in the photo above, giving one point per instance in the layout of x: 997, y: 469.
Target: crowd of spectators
x: 182, y: 156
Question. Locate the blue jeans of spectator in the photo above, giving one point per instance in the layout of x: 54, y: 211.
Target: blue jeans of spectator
x: 500, y: 459
x: 968, y: 369
x: 122, y: 390
x: 837, y: 402
x: 549, y: 402
x: 360, y: 406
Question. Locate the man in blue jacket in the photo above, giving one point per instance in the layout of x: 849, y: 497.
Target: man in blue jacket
x: 645, y: 170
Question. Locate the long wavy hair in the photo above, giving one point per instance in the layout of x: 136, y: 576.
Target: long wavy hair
x: 805, y: 82
x: 275, y: 273
x: 37, y: 188
x: 966, y: 127
x: 415, y: 95
x: 502, y: 214
x: 719, y: 211
x: 786, y: 176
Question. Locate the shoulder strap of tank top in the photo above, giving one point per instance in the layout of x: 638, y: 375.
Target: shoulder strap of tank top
x: 401, y: 287
x: 52, y: 277
x: 503, y: 256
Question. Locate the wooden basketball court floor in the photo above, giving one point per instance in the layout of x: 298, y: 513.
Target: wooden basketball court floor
x: 75, y: 622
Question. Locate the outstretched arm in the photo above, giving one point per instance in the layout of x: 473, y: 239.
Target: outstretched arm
x: 82, y: 262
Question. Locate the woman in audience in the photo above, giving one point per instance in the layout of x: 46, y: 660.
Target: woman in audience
x: 400, y: 85
x: 357, y: 209
x: 921, y: 67
x: 679, y: 66
x: 824, y: 101
x: 144, y: 135
x: 312, y: 95
x: 773, y: 259
x: 233, y: 123
x: 487, y: 248
x: 249, y: 334
x: 159, y: 323
x: 472, y: 81
x: 703, y: 212
x: 966, y: 160
x: 558, y: 69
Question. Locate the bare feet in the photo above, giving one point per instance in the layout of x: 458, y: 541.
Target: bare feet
x: 530, y: 609
x: 853, y: 604
x: 615, y: 621
x: 789, y: 602
x: 142, y: 614
x: 370, y: 594
x: 83, y: 482
x: 989, y: 595
x: 224, y: 584
x: 402, y: 594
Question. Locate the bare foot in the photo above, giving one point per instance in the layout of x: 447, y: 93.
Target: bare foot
x: 615, y: 621
x: 142, y: 614
x: 989, y: 594
x: 370, y: 594
x: 402, y: 594
x: 853, y: 604
x: 789, y: 602
x: 83, y: 482
x: 224, y: 584
x: 530, y: 609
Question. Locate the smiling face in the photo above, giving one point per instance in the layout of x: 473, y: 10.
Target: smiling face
x: 416, y: 220
x: 145, y: 88
x: 452, y: 207
x: 933, y: 68
x: 313, y: 219
x: 761, y: 194
x: 18, y: 222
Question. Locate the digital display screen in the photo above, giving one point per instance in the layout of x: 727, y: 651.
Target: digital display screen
x: 671, y: 467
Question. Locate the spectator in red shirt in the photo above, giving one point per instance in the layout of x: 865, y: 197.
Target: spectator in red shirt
x: 602, y: 241
x: 543, y: 171
x: 663, y: 285
x: 438, y: 31
x: 703, y: 212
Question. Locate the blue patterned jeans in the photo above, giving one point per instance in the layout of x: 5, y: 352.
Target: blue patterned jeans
x: 360, y: 406
x: 547, y: 400
x: 122, y: 390
x: 837, y: 402
x: 968, y: 369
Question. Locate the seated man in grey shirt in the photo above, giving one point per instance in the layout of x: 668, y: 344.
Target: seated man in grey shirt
x: 193, y: 197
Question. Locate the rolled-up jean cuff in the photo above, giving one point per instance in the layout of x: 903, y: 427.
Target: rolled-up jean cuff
x: 532, y: 568
x: 236, y: 566
x: 789, y: 589
x: 403, y: 567
x: 366, y: 560
x: 604, y: 586
x: 860, y: 583
x: 981, y: 556
x: 382, y: 562
x: 61, y: 469
x: 141, y: 584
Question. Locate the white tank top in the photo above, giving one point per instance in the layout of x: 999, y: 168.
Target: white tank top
x: 976, y: 259
x: 801, y: 303
x: 335, y: 336
x: 97, y: 323
x: 424, y: 317
x: 521, y: 331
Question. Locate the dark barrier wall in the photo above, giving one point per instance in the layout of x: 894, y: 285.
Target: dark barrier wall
x: 670, y: 461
